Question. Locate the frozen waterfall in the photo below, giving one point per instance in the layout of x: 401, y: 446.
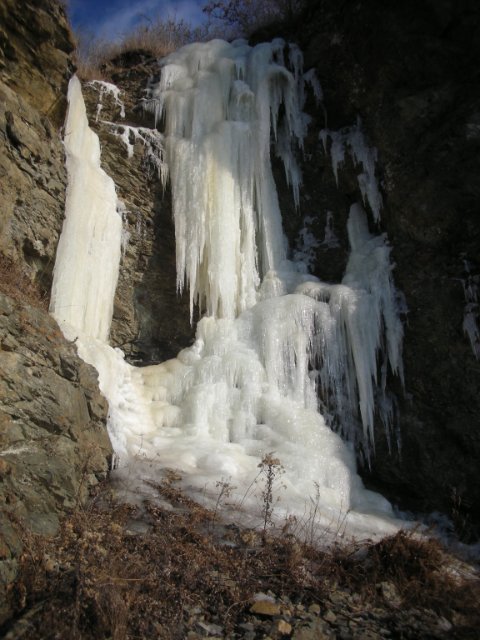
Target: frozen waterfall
x: 88, y: 253
x: 275, y: 348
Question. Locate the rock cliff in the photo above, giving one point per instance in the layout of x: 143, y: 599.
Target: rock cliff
x: 35, y: 48
x: 53, y: 441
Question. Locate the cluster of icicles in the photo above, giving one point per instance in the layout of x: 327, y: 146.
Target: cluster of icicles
x: 273, y: 339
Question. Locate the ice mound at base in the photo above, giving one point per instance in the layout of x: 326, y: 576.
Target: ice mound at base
x: 212, y: 414
x: 274, y: 339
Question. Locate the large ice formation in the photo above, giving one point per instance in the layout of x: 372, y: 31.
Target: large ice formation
x: 274, y: 344
x: 88, y: 253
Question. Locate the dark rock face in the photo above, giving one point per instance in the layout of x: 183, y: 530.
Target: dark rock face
x: 410, y: 71
x: 151, y: 322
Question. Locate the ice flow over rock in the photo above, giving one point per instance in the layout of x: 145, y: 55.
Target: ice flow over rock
x: 275, y: 345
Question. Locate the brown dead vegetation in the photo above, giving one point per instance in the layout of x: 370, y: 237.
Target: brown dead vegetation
x: 115, y: 572
x: 156, y: 39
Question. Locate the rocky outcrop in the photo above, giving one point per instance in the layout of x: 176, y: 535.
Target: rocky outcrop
x: 35, y: 45
x: 53, y: 441
x: 407, y: 70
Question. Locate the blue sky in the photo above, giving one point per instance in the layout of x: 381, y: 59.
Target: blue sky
x: 113, y: 18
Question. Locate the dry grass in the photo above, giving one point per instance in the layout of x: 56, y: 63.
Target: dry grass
x: 99, y: 579
x: 15, y: 282
x: 160, y: 36
x: 157, y: 38
x: 414, y: 566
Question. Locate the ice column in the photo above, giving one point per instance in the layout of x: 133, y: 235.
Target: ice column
x: 88, y: 254
x: 273, y: 335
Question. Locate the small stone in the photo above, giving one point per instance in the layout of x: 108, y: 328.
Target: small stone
x: 314, y: 608
x: 337, y: 597
x: 315, y: 630
x: 443, y: 624
x: 390, y: 594
x: 265, y: 608
x: 330, y: 617
x: 209, y: 629
x: 284, y: 628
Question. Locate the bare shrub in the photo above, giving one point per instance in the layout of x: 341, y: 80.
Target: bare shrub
x: 243, y: 17
x: 225, y: 489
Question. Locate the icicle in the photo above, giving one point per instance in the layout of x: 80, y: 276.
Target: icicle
x: 351, y: 139
x: 122, y: 212
x: 330, y: 240
x: 311, y: 78
x: 217, y: 140
x: 152, y: 141
x: 363, y: 317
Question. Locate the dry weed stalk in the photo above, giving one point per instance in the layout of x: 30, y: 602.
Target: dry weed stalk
x: 271, y: 469
x: 225, y: 489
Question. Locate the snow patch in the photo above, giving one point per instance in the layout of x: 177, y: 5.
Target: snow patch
x: 107, y: 88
